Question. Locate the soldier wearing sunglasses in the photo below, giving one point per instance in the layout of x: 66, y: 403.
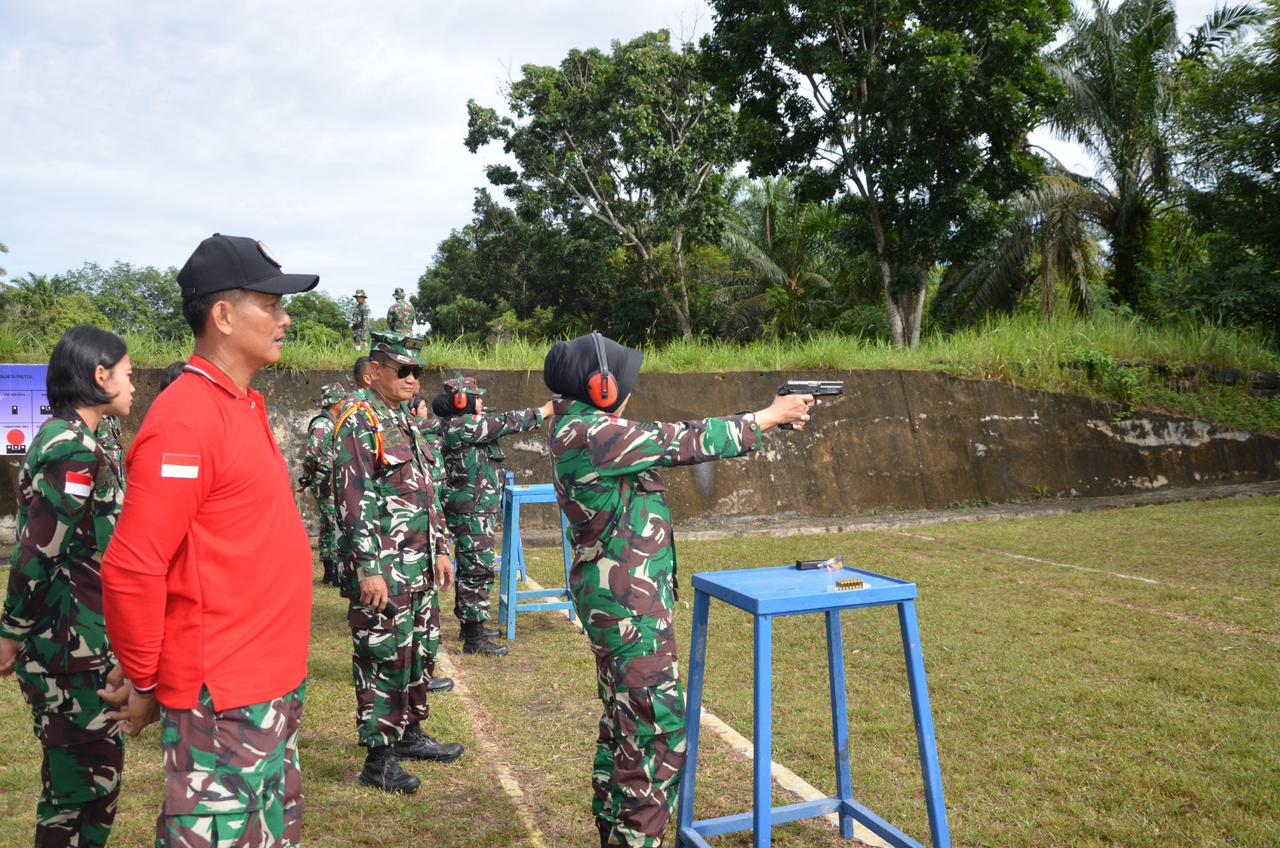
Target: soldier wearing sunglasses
x: 398, y: 562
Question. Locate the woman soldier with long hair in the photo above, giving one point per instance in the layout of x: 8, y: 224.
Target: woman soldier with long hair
x: 52, y: 630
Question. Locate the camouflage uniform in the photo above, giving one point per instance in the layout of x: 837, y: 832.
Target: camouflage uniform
x: 432, y: 430
x: 388, y: 509
x: 239, y: 771
x: 623, y: 584
x: 400, y: 315
x: 317, y: 472
x: 108, y: 436
x: 69, y: 497
x: 360, y: 322
x: 473, y: 494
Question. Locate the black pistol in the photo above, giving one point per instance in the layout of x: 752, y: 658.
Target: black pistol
x: 817, y: 388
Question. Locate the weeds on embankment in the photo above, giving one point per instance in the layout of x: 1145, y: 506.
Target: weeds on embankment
x: 1191, y: 368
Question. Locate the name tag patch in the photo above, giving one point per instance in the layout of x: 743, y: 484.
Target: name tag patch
x: 78, y: 484
x: 181, y: 466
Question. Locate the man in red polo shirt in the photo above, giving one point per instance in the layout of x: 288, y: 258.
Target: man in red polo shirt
x: 207, y: 582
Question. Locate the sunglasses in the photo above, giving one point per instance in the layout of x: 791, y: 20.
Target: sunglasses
x: 408, y: 371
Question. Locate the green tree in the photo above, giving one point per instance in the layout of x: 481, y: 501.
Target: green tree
x: 40, y: 309
x: 519, y: 261
x: 1124, y: 71
x: 318, y: 317
x: 915, y: 109
x: 1051, y: 245
x: 633, y: 139
x: 1228, y: 139
x: 135, y: 299
x: 4, y: 248
x: 797, y: 257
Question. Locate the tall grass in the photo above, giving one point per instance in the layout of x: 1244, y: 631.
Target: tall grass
x: 1002, y: 348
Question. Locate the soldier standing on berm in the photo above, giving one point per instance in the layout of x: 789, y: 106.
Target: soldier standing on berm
x: 400, y: 315
x: 389, y: 511
x: 623, y: 578
x: 360, y: 322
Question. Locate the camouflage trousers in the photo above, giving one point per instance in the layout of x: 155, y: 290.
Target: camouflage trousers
x: 475, y: 549
x: 389, y: 664
x: 641, y: 746
x: 328, y: 539
x: 83, y: 757
x: 431, y: 635
x: 232, y: 778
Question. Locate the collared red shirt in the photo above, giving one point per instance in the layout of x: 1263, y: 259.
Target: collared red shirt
x: 207, y: 581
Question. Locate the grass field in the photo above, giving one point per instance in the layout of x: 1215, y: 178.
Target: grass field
x: 1101, y: 679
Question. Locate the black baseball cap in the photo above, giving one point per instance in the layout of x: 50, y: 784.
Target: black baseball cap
x: 235, y: 262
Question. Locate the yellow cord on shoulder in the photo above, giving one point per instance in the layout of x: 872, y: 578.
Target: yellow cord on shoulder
x: 363, y: 406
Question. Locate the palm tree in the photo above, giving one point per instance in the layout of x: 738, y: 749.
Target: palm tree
x: 1122, y: 70
x: 1053, y: 242
x: 792, y: 251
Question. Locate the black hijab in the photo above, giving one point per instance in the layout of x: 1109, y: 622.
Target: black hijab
x: 570, y: 364
x: 442, y: 405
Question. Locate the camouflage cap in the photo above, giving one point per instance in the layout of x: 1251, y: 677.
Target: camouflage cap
x: 407, y: 350
x: 360, y: 293
x: 399, y: 294
x: 331, y: 394
x: 463, y: 385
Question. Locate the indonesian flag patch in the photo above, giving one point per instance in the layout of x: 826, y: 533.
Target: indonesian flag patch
x: 78, y: 484
x: 182, y: 466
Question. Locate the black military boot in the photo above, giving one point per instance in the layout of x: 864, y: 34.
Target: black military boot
x: 417, y: 745
x: 492, y: 633
x: 440, y: 685
x: 475, y: 642
x: 382, y: 771
x: 330, y: 574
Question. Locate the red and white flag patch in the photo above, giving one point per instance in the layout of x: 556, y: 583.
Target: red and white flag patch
x: 79, y: 484
x: 182, y: 466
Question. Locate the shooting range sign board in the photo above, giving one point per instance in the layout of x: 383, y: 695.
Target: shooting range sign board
x: 24, y: 406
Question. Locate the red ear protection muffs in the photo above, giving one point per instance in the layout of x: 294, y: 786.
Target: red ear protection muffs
x: 602, y: 388
x: 460, y: 400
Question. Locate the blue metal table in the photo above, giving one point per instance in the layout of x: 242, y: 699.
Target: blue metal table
x: 510, y: 600
x: 768, y: 593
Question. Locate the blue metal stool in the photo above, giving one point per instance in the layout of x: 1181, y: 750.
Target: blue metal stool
x: 767, y: 593
x: 513, y: 563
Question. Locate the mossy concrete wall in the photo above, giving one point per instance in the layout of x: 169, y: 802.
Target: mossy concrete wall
x: 895, y: 440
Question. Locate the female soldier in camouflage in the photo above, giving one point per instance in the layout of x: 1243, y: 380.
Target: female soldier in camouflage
x: 70, y: 493
x: 473, y: 496
x: 624, y: 567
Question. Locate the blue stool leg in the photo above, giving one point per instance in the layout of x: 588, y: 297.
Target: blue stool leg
x: 693, y: 709
x: 762, y: 779
x: 508, y: 600
x: 840, y: 719
x: 939, y: 833
x: 568, y: 564
x: 517, y: 543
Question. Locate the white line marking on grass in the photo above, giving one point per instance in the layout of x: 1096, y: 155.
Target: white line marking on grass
x: 741, y: 745
x: 508, y: 781
x: 1117, y: 574
x: 1121, y: 575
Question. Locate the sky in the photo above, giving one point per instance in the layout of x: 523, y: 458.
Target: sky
x: 331, y: 131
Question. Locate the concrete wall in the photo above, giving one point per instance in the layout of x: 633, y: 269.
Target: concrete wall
x: 895, y: 440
